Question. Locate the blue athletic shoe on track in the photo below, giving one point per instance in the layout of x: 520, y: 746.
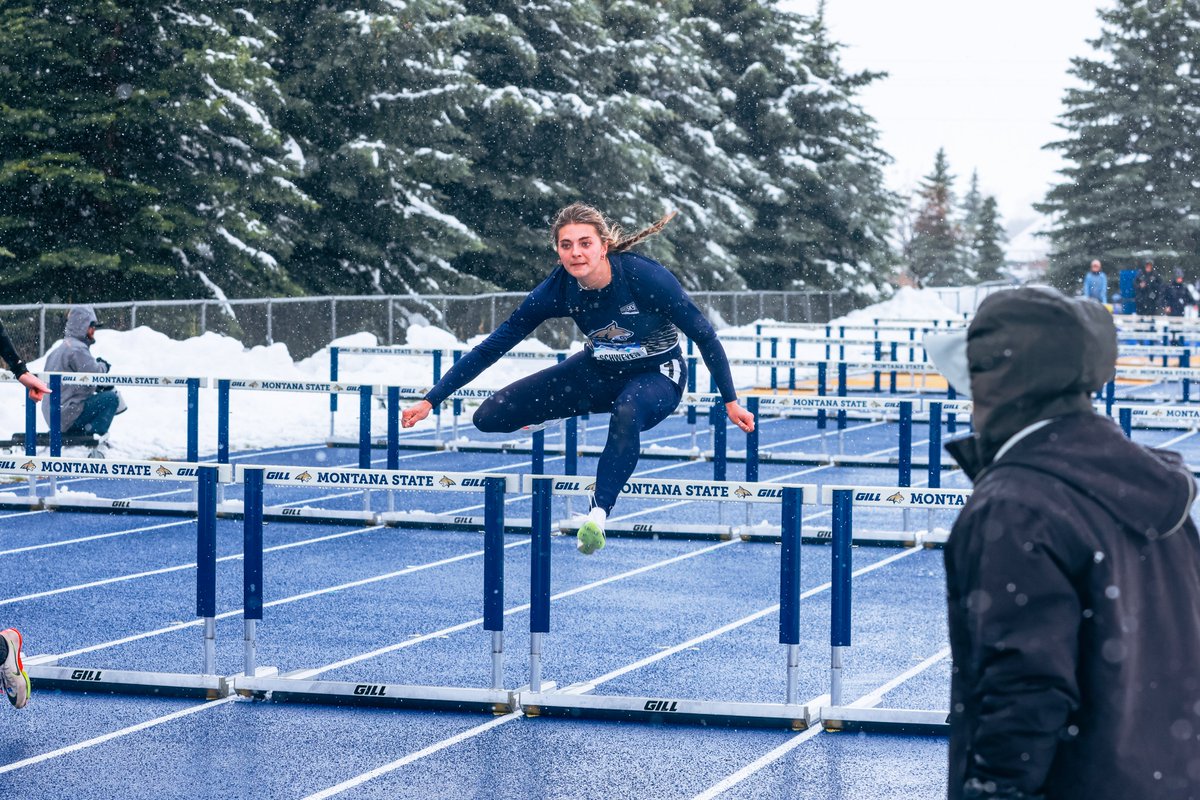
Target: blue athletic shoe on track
x: 589, y: 538
x: 12, y: 670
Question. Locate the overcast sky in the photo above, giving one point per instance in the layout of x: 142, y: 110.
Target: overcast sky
x: 983, y: 79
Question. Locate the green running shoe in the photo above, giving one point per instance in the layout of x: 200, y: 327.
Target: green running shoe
x: 589, y: 538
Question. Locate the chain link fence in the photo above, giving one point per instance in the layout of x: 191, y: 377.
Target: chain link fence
x: 306, y: 324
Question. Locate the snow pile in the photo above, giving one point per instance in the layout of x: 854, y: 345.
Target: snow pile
x: 155, y: 424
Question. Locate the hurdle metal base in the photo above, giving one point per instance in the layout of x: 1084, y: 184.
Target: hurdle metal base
x: 18, y: 501
x: 429, y: 520
x: 870, y: 538
x: 658, y: 530
x: 666, y: 710
x: 388, y: 695
x: 115, y: 681
x: 304, y: 513
x: 173, y: 508
x: 885, y: 720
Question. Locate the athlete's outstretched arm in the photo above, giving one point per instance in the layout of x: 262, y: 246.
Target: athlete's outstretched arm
x: 537, y: 307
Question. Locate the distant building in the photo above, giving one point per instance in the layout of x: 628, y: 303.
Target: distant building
x: 1028, y: 252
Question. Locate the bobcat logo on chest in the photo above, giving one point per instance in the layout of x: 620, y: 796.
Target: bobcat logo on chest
x: 612, y: 332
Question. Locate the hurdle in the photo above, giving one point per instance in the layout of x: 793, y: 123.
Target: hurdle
x: 437, y: 357
x: 46, y: 671
x: 299, y: 687
x: 72, y: 501
x: 581, y: 701
x: 1184, y: 375
x: 838, y: 716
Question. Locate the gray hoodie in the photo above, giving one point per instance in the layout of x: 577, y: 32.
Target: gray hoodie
x: 74, y: 355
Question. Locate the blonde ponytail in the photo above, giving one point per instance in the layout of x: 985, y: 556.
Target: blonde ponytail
x: 610, y: 233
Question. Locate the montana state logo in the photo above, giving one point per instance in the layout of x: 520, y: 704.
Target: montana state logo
x: 591, y: 487
x: 29, y: 466
x: 898, y: 497
x: 163, y: 472
x: 612, y: 332
x: 743, y: 492
x: 304, y: 477
x: 446, y: 482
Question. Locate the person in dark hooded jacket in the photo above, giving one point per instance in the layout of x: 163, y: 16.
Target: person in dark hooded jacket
x: 1073, y: 574
x: 84, y: 409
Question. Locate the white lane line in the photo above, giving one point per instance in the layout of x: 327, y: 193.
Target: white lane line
x: 309, y: 673
x: 66, y: 542
x: 284, y: 600
x: 1177, y: 439
x: 108, y: 737
x: 757, y: 615
x: 436, y: 747
x: 779, y: 752
x: 874, y: 698
x: 756, y: 765
x: 823, y: 434
x: 180, y: 567
x: 447, y: 743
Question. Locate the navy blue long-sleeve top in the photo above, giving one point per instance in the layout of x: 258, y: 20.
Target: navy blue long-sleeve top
x: 632, y: 324
x: 9, y: 354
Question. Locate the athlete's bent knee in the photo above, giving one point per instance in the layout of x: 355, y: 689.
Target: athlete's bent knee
x: 490, y: 418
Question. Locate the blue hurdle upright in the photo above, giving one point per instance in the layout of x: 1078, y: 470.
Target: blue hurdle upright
x: 864, y: 713
x: 47, y: 671
x: 266, y: 683
x: 582, y: 700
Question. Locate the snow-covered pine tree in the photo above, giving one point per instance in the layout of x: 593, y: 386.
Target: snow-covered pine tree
x: 375, y: 102
x: 1132, y: 143
x: 556, y: 124
x: 139, y: 153
x: 815, y: 177
x: 988, y: 245
x: 934, y: 252
x: 970, y: 208
x: 663, y: 63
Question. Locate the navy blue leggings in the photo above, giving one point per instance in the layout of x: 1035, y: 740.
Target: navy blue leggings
x: 637, y: 401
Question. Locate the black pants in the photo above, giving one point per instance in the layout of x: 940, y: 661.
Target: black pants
x: 580, y: 385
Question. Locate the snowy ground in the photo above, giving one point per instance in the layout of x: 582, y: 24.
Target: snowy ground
x: 154, y: 425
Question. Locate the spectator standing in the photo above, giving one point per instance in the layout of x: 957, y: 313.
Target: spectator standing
x: 85, y: 410
x: 1147, y: 292
x: 1177, y: 296
x: 1095, y: 283
x: 1073, y: 574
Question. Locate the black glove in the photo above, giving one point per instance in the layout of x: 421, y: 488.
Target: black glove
x: 107, y: 366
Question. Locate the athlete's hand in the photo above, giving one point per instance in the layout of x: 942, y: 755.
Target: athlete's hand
x: 739, y: 416
x: 415, y: 413
x: 37, y: 389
